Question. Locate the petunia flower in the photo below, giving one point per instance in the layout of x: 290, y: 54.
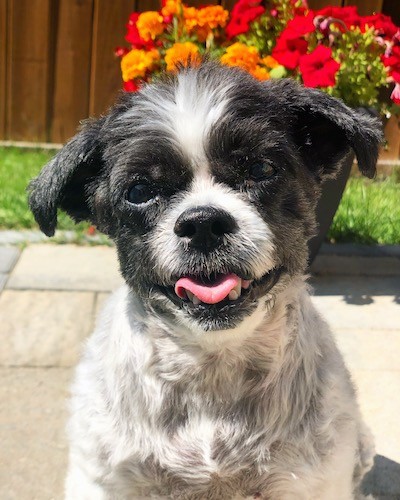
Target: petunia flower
x: 243, y: 13
x: 288, y: 51
x: 395, y: 95
x: 318, y: 68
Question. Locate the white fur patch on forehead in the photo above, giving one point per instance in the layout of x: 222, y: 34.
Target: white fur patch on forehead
x: 197, y: 108
x: 185, y: 112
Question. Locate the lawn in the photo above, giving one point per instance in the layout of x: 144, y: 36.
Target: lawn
x: 369, y: 212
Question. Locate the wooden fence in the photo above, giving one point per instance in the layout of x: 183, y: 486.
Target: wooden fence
x: 57, y: 64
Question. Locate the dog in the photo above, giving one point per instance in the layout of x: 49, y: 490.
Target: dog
x: 210, y: 375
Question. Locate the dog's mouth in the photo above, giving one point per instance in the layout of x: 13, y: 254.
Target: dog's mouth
x: 220, y: 292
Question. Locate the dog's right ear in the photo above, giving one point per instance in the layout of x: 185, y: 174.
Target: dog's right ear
x: 65, y: 181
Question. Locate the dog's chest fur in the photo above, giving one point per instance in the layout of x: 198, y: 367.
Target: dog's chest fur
x: 199, y: 425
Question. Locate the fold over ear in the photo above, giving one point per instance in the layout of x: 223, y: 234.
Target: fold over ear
x: 64, y: 182
x: 325, y: 130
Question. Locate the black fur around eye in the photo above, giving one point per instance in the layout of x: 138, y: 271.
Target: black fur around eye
x: 260, y: 171
x: 140, y: 193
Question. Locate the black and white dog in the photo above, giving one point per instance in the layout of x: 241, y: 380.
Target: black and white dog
x: 210, y: 375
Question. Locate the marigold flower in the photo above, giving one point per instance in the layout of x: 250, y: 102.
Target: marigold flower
x: 137, y: 62
x: 241, y: 55
x: 270, y: 62
x: 171, y: 7
x: 149, y: 25
x: 181, y: 53
x: 260, y: 73
x: 212, y: 16
x: 190, y: 17
x: 132, y: 34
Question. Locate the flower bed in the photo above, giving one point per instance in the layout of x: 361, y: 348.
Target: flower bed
x: 344, y: 54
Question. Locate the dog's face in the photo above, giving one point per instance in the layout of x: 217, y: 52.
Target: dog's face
x: 207, y: 183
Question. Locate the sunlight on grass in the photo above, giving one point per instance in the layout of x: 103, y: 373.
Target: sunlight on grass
x: 369, y: 212
x: 17, y: 167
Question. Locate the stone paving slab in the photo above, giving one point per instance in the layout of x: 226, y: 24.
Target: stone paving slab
x: 356, y: 266
x: 3, y: 281
x: 371, y: 350
x: 43, y: 328
x: 378, y: 313
x: 33, y: 451
x: 66, y: 267
x: 8, y: 257
x: 379, y: 398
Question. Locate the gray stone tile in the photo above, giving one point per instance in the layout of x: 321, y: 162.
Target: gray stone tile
x: 43, y: 328
x: 8, y: 257
x: 356, y: 266
x: 66, y: 267
x: 379, y: 398
x: 370, y: 349
x: 377, y: 313
x: 33, y: 451
x: 357, y: 289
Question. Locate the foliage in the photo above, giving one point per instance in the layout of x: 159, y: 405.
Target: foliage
x: 369, y: 212
x: 335, y: 49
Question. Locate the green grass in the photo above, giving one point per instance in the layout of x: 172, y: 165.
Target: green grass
x: 17, y: 167
x: 369, y: 212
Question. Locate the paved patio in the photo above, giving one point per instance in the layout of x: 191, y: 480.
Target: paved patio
x: 50, y: 297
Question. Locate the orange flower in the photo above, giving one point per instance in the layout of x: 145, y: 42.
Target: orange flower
x: 150, y: 24
x: 260, y: 73
x: 190, y: 17
x: 270, y: 62
x: 241, y: 55
x: 171, y: 7
x: 181, y: 53
x: 136, y: 63
x: 204, y: 20
x: 212, y: 16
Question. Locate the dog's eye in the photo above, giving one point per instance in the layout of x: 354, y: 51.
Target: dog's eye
x: 260, y: 171
x: 139, y: 193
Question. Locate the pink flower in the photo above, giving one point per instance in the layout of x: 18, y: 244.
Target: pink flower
x: 395, y: 95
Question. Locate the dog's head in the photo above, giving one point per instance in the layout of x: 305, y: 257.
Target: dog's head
x: 207, y: 182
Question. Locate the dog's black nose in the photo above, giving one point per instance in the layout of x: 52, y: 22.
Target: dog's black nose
x: 204, y: 227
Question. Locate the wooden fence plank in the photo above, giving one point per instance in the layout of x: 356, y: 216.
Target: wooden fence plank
x: 366, y: 7
x: 3, y: 67
x: 29, y: 69
x: 320, y: 4
x: 72, y: 67
x: 108, y: 32
x: 392, y: 8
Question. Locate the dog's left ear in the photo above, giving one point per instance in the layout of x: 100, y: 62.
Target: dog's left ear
x: 325, y: 130
x: 65, y: 181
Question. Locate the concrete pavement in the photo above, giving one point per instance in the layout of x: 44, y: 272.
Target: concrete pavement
x: 50, y: 297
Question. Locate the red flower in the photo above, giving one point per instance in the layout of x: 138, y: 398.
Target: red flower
x: 243, y: 13
x: 393, y: 63
x: 348, y: 15
x: 382, y: 24
x: 300, y: 26
x: 319, y: 69
x: 288, y: 51
x: 395, y: 95
x: 131, y: 86
x: 120, y: 51
x: 132, y: 35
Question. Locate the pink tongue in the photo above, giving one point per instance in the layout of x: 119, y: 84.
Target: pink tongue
x: 211, y: 293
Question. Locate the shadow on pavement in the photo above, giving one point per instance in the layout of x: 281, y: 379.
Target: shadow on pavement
x: 383, y: 481
x: 357, y: 290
